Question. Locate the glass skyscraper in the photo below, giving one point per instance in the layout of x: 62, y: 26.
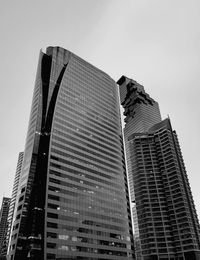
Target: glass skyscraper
x: 4, y: 226
x: 72, y: 201
x: 164, y: 215
x: 14, y: 194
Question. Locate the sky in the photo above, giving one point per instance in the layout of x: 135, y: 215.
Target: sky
x: 153, y: 42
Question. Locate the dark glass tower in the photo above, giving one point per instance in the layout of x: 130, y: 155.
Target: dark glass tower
x: 72, y: 200
x: 4, y: 226
x: 165, y: 219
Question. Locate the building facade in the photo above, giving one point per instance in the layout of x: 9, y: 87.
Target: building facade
x: 72, y: 201
x: 164, y: 215
x: 14, y: 194
x: 4, y: 225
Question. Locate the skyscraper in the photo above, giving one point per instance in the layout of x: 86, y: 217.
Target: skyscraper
x: 4, y: 225
x: 165, y: 219
x: 72, y: 201
x: 14, y: 194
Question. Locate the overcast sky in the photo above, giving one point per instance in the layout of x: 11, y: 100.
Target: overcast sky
x: 152, y: 41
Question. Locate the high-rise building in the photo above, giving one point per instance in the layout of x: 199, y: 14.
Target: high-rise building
x: 14, y: 194
x: 165, y: 220
x: 4, y: 225
x: 72, y: 201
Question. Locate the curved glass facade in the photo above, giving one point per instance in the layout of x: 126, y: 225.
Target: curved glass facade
x: 73, y: 188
